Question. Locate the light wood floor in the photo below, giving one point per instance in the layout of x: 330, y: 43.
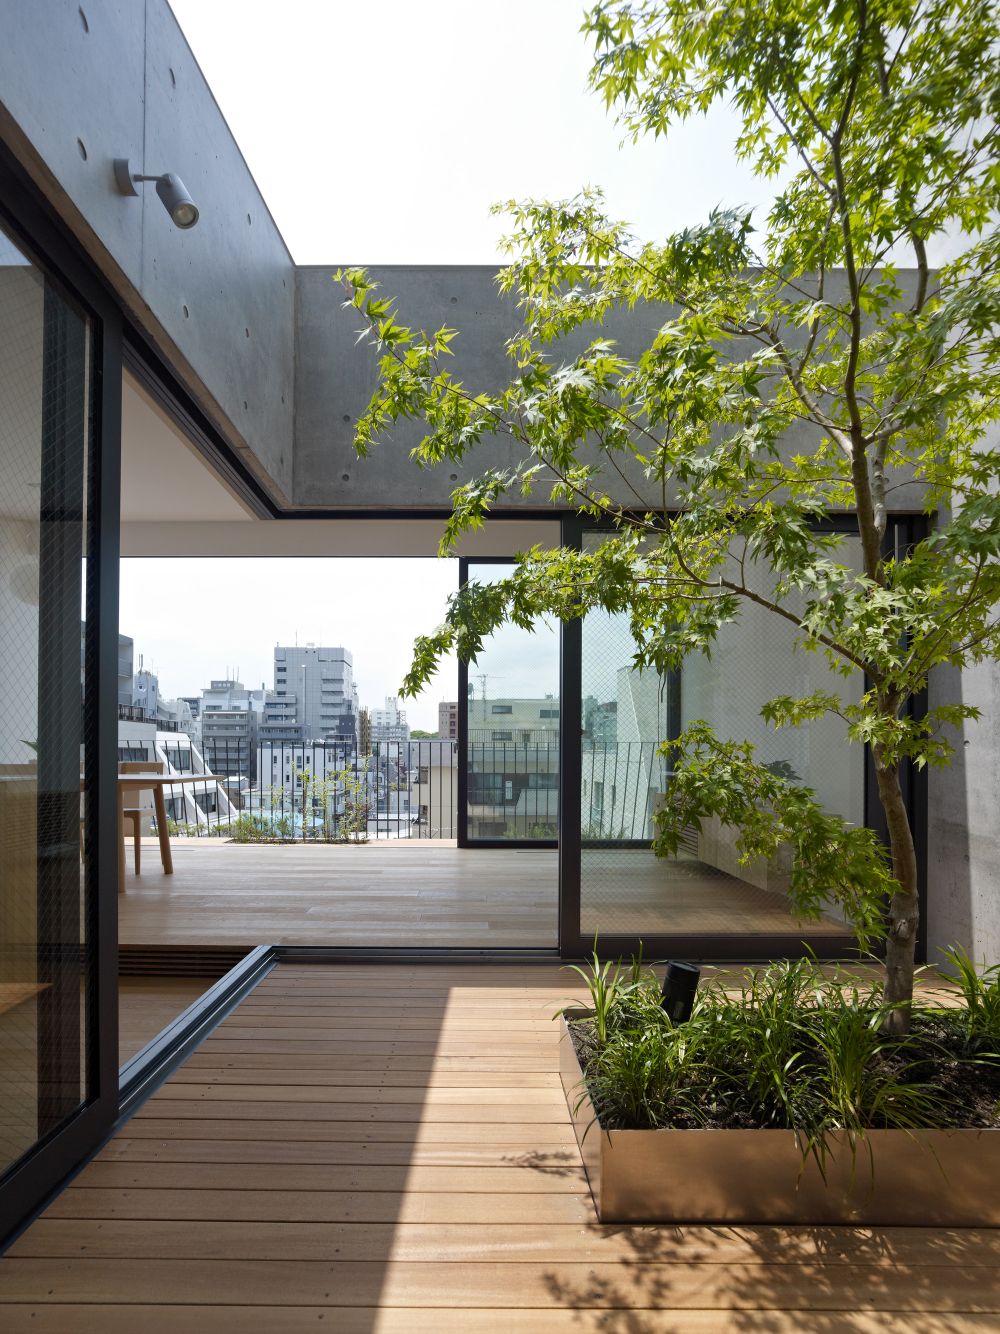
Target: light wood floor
x: 418, y: 893
x: 380, y: 1150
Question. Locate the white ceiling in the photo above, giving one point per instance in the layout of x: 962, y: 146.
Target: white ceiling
x: 164, y: 479
x: 173, y: 504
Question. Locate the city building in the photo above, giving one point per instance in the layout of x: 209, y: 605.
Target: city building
x: 321, y: 681
x: 389, y: 724
x: 526, y: 722
x: 178, y: 715
x: 364, y: 731
x: 448, y: 720
x: 279, y: 724
x: 190, y: 805
x: 230, y: 722
x: 513, y: 768
x: 145, y: 690
x: 432, y: 766
x: 126, y: 659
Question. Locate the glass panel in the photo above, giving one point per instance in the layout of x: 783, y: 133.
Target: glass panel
x: 704, y: 890
x: 44, y: 972
x: 513, y: 739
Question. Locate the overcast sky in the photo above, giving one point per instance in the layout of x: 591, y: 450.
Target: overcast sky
x: 382, y: 133
x: 226, y: 616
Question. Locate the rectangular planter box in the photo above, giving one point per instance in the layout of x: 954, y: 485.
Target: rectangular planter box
x: 939, y: 1178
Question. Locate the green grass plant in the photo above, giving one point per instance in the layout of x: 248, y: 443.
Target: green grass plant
x: 791, y: 1049
x: 981, y: 992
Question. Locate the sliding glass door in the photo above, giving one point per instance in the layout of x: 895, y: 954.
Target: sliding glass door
x: 54, y: 958
x: 509, y: 727
x: 703, y: 901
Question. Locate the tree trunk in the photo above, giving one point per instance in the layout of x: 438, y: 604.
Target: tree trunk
x: 904, y: 908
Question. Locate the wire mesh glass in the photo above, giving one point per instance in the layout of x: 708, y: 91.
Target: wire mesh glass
x: 45, y: 975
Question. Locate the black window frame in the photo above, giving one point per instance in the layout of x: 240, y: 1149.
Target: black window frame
x: 28, y: 1182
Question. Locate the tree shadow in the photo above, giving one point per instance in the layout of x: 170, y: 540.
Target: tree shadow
x: 830, y: 1279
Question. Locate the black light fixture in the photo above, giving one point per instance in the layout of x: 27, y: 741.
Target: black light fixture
x: 171, y: 189
x: 679, y: 986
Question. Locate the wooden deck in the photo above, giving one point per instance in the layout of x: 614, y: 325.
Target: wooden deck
x: 383, y: 1149
x: 416, y: 893
x: 146, y: 1005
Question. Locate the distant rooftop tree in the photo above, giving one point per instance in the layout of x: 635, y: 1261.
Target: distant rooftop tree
x: 877, y: 120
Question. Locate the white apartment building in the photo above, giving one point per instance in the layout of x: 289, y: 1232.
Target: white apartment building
x: 191, y: 805
x: 448, y: 720
x: 389, y: 724
x: 526, y: 722
x: 432, y: 766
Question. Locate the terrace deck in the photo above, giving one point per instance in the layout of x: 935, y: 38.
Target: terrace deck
x: 386, y: 1148
x: 417, y: 893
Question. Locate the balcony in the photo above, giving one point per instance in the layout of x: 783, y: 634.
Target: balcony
x: 390, y: 892
x: 135, y: 713
x: 332, y: 848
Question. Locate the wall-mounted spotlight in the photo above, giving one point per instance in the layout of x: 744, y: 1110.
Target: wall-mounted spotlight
x: 171, y: 189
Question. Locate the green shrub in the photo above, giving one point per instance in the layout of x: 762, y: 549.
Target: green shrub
x: 792, y: 1050
x: 255, y: 829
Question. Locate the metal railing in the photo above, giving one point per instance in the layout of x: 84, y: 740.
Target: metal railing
x: 621, y: 783
x: 326, y: 792
x: 513, y: 790
x: 135, y: 713
x: 132, y: 713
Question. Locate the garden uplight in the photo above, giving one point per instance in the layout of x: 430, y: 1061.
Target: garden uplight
x: 679, y: 986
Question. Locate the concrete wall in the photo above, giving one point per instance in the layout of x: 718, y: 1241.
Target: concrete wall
x: 963, y: 872
x: 265, y: 349
x: 335, y: 377
x: 84, y: 84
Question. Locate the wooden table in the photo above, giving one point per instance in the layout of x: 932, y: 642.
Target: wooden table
x: 154, y: 782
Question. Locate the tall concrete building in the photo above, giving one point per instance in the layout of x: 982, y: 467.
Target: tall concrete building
x: 126, y: 660
x: 279, y: 724
x: 321, y: 680
x: 527, y: 722
x: 146, y: 690
x: 513, y: 767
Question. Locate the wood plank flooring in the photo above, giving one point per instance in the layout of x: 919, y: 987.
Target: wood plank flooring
x: 388, y: 893
x: 378, y: 1149
x: 423, y: 893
